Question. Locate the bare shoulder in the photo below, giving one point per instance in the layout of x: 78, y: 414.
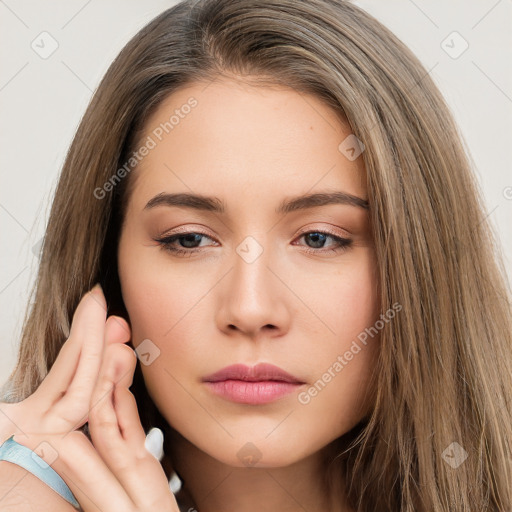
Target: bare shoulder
x: 21, y: 491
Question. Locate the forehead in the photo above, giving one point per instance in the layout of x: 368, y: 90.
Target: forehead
x: 239, y: 141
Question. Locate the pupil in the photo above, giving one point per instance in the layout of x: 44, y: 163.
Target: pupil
x: 316, y: 236
x: 192, y: 238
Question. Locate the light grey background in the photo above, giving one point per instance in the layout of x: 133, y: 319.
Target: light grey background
x: 43, y: 99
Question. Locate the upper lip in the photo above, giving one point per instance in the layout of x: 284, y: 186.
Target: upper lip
x: 259, y: 372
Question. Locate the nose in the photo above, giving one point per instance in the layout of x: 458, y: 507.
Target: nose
x: 253, y: 299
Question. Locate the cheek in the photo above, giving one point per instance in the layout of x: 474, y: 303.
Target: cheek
x: 344, y: 352
x: 356, y: 302
x: 158, y: 294
x: 343, y: 300
x: 163, y: 304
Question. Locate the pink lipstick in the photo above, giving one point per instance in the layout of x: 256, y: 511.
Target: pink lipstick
x: 255, y: 385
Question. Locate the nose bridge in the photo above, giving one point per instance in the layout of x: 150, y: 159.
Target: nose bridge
x: 253, y: 297
x: 251, y: 276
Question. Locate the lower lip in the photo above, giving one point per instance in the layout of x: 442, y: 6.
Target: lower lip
x: 254, y: 393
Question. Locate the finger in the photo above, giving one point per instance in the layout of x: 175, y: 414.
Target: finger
x: 90, y: 480
x: 63, y: 369
x: 103, y: 425
x: 118, y: 366
x: 113, y: 422
x: 143, y: 475
x: 89, y: 327
x: 117, y: 330
x: 128, y: 418
x: 119, y: 437
x: 126, y: 361
x: 119, y: 361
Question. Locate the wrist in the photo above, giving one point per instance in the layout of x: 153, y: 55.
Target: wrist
x: 16, y: 453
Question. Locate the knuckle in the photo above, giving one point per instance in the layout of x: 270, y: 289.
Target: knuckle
x: 105, y: 385
x: 96, y: 412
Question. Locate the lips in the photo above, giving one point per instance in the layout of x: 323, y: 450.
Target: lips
x: 257, y: 385
x: 258, y: 373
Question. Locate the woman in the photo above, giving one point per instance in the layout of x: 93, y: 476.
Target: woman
x: 262, y: 131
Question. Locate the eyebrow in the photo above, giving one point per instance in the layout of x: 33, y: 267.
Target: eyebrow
x: 215, y: 205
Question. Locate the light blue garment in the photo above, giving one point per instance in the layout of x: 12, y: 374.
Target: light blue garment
x: 11, y: 451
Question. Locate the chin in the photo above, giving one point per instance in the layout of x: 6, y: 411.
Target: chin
x: 272, y: 452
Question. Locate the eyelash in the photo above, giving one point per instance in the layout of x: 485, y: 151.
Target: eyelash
x: 167, y: 241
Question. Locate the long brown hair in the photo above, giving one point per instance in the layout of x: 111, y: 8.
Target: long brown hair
x: 444, y: 372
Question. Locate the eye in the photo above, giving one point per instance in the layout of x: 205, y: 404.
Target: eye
x: 190, y: 243
x: 318, y: 239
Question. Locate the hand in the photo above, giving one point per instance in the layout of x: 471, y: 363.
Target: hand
x: 93, y: 369
x: 132, y: 478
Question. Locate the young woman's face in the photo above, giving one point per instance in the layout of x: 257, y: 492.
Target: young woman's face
x: 246, y: 280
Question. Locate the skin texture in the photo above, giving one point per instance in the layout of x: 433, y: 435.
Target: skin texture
x: 251, y: 147
x: 21, y: 491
